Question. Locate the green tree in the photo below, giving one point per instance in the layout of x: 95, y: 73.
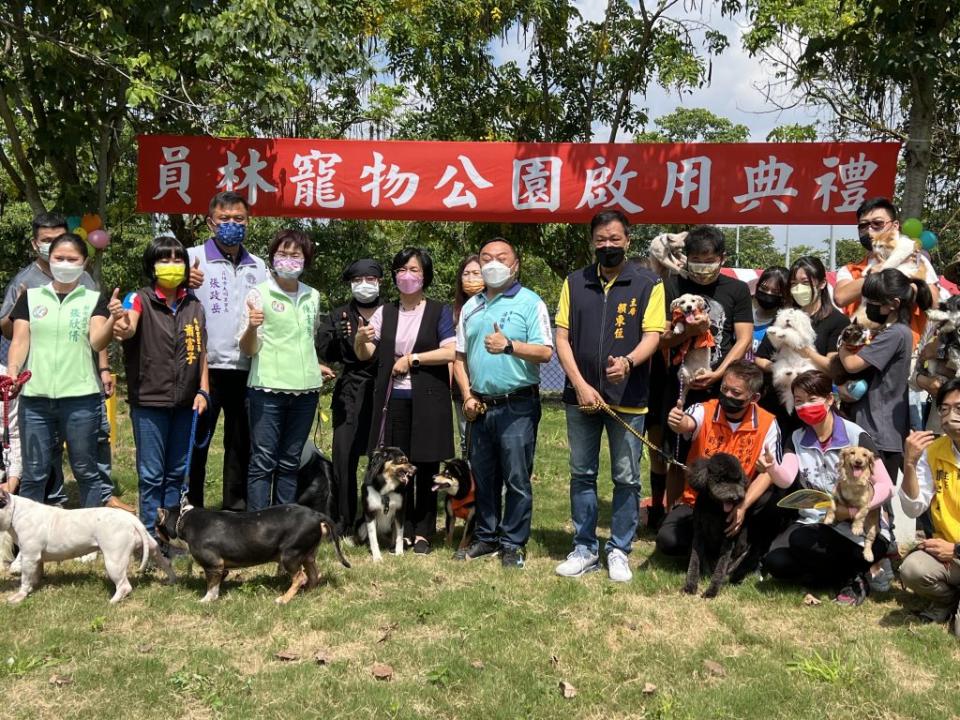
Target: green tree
x: 695, y: 125
x: 758, y: 249
x: 793, y: 132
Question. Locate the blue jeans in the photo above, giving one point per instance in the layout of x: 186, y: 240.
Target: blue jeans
x: 44, y: 425
x: 583, y: 435
x: 162, y: 437
x: 279, y: 426
x: 502, y: 444
x: 104, y: 458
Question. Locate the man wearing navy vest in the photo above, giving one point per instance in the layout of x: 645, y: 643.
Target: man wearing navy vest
x: 609, y: 321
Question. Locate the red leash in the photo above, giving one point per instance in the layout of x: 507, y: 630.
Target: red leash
x: 9, y: 389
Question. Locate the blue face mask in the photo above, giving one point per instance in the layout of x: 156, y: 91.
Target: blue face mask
x: 231, y: 233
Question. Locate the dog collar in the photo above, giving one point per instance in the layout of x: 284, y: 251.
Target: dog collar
x: 183, y: 513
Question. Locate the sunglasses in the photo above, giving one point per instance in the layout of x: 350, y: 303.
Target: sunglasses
x: 873, y: 224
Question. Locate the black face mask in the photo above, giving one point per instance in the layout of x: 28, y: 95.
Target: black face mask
x: 874, y: 314
x: 732, y: 406
x: 867, y: 242
x: 610, y: 257
x: 767, y: 301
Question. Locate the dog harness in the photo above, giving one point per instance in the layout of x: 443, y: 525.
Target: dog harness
x: 461, y: 507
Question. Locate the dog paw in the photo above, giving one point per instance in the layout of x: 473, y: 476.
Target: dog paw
x: 868, y: 555
x: 689, y: 590
x: 16, y: 598
x: 710, y: 592
x: 857, y: 528
x: 281, y: 600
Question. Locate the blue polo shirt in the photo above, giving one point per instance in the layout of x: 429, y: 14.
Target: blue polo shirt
x: 522, y: 316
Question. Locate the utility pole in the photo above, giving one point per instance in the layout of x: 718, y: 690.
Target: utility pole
x: 738, y: 244
x: 833, y: 251
x: 787, y: 263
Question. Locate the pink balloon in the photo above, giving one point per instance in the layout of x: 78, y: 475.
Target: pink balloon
x: 99, y: 239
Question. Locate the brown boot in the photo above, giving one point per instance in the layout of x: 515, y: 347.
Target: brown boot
x: 115, y: 502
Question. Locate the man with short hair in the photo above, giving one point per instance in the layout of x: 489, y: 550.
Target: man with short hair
x: 47, y: 227
x: 502, y: 337
x: 731, y: 423
x: 222, y: 272
x: 931, y: 482
x: 609, y: 321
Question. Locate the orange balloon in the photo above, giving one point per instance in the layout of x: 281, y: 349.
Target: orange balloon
x: 91, y: 222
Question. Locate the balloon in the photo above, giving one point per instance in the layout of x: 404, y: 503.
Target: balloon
x: 91, y: 250
x: 912, y: 228
x: 99, y: 239
x: 91, y: 222
x: 857, y: 388
x: 73, y: 222
x: 928, y: 239
x: 80, y: 233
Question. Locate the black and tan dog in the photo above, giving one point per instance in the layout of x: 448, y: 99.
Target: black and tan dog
x: 720, y: 484
x: 381, y: 495
x: 218, y: 541
x: 456, y: 481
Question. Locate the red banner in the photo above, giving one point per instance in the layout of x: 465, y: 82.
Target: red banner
x: 749, y: 183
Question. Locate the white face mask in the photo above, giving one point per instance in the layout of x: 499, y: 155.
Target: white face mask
x: 496, y: 274
x: 364, y: 291
x: 66, y: 272
x: 43, y: 250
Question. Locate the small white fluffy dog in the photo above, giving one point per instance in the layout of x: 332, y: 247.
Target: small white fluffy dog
x: 790, y: 332
x: 696, y: 361
x: 666, y: 250
x: 47, y: 533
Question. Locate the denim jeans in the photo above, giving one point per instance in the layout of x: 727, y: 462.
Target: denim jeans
x: 44, y: 425
x: 502, y: 445
x: 583, y: 435
x: 279, y: 426
x: 162, y: 437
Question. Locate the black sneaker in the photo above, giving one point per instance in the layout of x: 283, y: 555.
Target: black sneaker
x: 853, y: 594
x: 512, y: 558
x: 477, y: 549
x: 422, y: 547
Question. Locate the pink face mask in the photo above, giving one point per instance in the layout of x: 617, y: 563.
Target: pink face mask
x: 408, y: 283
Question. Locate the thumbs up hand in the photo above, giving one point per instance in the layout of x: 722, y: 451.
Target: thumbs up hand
x: 196, y: 275
x: 765, y: 461
x: 617, y: 369
x: 496, y: 341
x: 255, y: 315
x: 365, y: 332
x: 115, y: 306
x: 343, y: 328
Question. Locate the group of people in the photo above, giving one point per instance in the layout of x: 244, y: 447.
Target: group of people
x: 218, y: 331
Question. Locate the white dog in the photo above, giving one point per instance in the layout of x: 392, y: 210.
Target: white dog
x: 790, y: 333
x: 686, y: 309
x: 666, y: 250
x: 47, y: 533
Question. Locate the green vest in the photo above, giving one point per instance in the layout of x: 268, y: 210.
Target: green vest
x: 60, y: 356
x: 287, y: 359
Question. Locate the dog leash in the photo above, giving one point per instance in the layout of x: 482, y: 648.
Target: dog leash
x: 191, y: 445
x: 9, y: 389
x: 383, y: 414
x: 601, y: 405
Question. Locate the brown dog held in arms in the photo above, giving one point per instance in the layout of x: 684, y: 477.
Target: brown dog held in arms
x: 855, y: 490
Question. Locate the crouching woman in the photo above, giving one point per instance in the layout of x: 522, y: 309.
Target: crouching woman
x: 808, y: 551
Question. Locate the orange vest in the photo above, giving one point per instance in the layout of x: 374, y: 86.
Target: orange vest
x: 918, y: 320
x: 716, y: 436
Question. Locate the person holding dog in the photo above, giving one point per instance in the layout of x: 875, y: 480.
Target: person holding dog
x: 352, y: 401
x: 415, y: 337
x: 732, y: 423
x: 164, y: 334
x: 280, y: 320
x: 931, y: 482
x: 609, y: 323
x: 503, y: 337
x: 807, y: 551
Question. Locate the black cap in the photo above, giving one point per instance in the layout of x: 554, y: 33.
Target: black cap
x: 362, y: 268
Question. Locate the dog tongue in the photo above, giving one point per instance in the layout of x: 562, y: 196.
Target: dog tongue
x: 857, y: 472
x: 690, y: 317
x: 727, y: 506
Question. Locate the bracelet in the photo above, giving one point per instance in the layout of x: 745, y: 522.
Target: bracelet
x: 205, y: 395
x: 105, y: 369
x: 630, y: 361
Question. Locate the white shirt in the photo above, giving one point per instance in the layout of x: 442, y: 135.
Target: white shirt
x: 914, y: 507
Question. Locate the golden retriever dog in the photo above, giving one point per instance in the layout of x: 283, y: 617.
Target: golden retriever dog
x: 855, y: 490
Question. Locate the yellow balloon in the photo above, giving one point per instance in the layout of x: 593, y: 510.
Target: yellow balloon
x: 91, y: 222
x: 81, y: 233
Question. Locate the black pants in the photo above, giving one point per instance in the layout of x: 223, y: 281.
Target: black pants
x: 763, y: 522
x: 419, y: 499
x: 351, y: 432
x: 228, y: 392
x: 892, y: 461
x: 816, y: 555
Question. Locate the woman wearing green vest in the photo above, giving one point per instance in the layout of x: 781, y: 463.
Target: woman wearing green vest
x: 280, y: 320
x: 57, y: 328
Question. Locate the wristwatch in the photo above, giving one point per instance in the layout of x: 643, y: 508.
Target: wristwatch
x: 415, y: 360
x: 508, y: 349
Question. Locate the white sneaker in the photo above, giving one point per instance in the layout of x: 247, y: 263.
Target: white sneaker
x: 618, y: 566
x: 580, y: 562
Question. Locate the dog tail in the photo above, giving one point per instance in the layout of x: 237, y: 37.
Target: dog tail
x: 331, y: 527
x: 145, y: 541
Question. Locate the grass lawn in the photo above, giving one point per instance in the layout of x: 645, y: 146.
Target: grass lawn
x: 464, y: 641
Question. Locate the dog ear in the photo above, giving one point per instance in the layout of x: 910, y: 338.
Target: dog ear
x: 4, y: 498
x: 699, y: 474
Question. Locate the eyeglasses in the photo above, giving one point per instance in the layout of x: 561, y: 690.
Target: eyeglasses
x: 294, y: 255
x: 948, y: 410
x: 873, y: 224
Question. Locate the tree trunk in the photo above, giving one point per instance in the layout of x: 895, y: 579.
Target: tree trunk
x: 917, y: 153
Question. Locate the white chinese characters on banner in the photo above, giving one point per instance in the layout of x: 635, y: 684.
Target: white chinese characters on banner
x: 853, y: 176
x: 536, y: 183
x: 175, y: 172
x: 608, y: 187
x: 252, y: 181
x: 459, y: 195
x: 393, y: 182
x: 767, y: 180
x: 314, y: 180
x: 687, y: 177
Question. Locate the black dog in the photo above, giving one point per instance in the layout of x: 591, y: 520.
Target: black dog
x: 388, y: 471
x: 217, y: 540
x: 720, y: 484
x: 315, y: 481
x: 456, y: 481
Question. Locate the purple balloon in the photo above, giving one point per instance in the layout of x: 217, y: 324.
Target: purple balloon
x: 99, y: 239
